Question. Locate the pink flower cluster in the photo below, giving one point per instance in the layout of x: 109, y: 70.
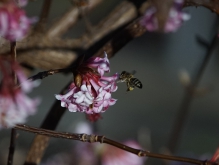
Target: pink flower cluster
x: 14, y: 23
x: 94, y: 94
x: 174, y: 21
x: 15, y: 105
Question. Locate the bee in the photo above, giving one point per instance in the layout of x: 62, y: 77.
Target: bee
x: 130, y: 80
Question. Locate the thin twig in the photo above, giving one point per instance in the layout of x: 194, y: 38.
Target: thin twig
x: 44, y: 74
x: 103, y: 139
x: 187, y: 100
x: 13, y: 131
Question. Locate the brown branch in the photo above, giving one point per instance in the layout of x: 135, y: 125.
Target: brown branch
x: 68, y: 20
x: 13, y: 131
x: 133, y: 30
x: 43, y: 16
x: 48, y: 52
x: 212, y: 5
x: 40, y: 142
x: 12, y: 146
x: 103, y: 139
x: 162, y: 14
x: 121, y: 15
x: 48, y: 59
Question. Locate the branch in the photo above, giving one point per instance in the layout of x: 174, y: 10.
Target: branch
x: 121, y: 15
x: 187, y: 100
x: 103, y: 139
x: 43, y: 16
x: 58, y: 52
x: 40, y: 142
x: 42, y: 75
x: 213, y: 5
x: 127, y: 34
x: 68, y: 19
x: 13, y: 131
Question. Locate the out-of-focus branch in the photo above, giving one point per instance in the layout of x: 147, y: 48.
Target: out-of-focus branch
x: 69, y: 19
x: 13, y: 131
x: 43, y: 16
x: 12, y: 146
x: 49, y: 52
x: 103, y: 139
x: 213, y: 5
x: 133, y: 30
x: 162, y: 14
x: 41, y: 142
x: 187, y: 100
x: 121, y: 15
x: 48, y: 59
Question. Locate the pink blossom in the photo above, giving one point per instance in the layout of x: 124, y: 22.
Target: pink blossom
x: 21, y: 3
x: 215, y: 157
x: 114, y: 156
x: 15, y: 105
x: 14, y: 23
x: 102, y: 64
x: 94, y: 94
x: 174, y: 21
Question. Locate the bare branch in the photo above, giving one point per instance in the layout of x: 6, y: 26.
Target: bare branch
x: 13, y: 131
x: 47, y: 59
x: 50, y: 52
x: 42, y: 75
x: 40, y: 142
x: 187, y: 100
x: 68, y: 19
x: 163, y: 8
x: 135, y: 29
x: 103, y: 139
x: 213, y: 5
x: 12, y: 146
x: 43, y: 16
x: 121, y: 15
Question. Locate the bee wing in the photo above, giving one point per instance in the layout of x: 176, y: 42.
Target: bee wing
x: 133, y: 72
x: 120, y: 81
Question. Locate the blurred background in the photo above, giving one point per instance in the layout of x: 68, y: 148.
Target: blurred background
x: 157, y: 59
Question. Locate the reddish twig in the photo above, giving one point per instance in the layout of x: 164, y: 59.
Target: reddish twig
x: 103, y: 139
x: 44, y: 74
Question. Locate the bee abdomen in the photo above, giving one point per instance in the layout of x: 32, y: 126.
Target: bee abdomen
x: 136, y: 82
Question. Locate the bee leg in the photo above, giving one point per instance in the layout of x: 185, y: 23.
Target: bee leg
x: 130, y: 88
